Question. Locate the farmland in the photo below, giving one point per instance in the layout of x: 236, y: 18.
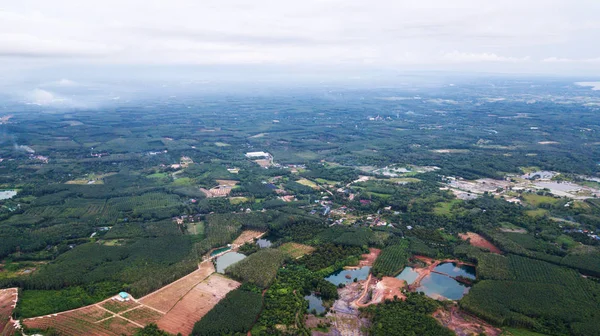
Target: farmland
x: 295, y: 250
x: 8, y: 300
x: 391, y: 260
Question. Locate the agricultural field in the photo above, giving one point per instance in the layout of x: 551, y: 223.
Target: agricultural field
x: 392, y: 260
x: 196, y: 303
x: 259, y: 268
x: 308, y: 183
x: 296, y: 250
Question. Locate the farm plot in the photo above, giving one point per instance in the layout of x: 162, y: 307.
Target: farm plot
x: 165, y: 298
x: 295, y: 250
x: 116, y: 306
x: 478, y: 241
x: 81, y: 322
x: 142, y: 315
x: 196, y: 303
x: 8, y: 298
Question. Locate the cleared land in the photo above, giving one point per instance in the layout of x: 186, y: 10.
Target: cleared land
x: 165, y: 298
x: 478, y: 241
x: 295, y: 250
x: 247, y: 236
x: 196, y: 303
x: 8, y: 299
x: 463, y: 324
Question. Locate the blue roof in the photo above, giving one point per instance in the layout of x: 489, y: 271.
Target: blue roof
x: 123, y: 295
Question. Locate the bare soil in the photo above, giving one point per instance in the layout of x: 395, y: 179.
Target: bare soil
x: 8, y: 300
x: 464, y: 324
x: 247, y: 236
x: 196, y: 303
x: 478, y: 241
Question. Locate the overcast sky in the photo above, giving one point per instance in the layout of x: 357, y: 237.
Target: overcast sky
x: 547, y: 36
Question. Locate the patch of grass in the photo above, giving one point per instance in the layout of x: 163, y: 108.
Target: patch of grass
x: 324, y: 181
x: 196, y: 228
x: 564, y: 240
x: 404, y: 179
x: 536, y: 213
x: 158, y: 176
x: 295, y: 250
x: 307, y: 183
x: 222, y: 144
x: 444, y: 208
x: 238, y: 200
x: 536, y: 200
x: 184, y: 181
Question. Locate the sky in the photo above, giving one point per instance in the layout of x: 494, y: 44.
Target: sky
x: 501, y: 36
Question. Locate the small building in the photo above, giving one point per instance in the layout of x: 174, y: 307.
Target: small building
x: 123, y: 296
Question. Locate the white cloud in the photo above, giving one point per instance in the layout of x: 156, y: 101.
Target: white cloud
x: 491, y: 34
x: 44, y: 98
x: 570, y: 60
x: 461, y: 57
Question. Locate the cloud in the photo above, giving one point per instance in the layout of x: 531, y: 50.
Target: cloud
x: 460, y: 57
x: 570, y: 60
x: 44, y: 98
x: 379, y: 34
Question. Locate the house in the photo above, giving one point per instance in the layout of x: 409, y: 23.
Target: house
x: 123, y: 297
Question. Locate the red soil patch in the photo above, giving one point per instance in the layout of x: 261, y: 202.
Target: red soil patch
x: 389, y: 287
x: 117, y: 306
x: 119, y: 326
x: 478, y: 241
x: 142, y: 315
x: 247, y: 236
x: 8, y: 298
x: 165, y: 298
x: 464, y: 324
x: 195, y: 304
x: 369, y: 258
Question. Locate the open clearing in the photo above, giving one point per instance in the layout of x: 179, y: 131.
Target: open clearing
x: 247, y: 236
x: 463, y: 324
x: 295, y: 250
x: 308, y: 183
x: 165, y: 298
x: 196, y: 303
x: 8, y: 300
x: 479, y: 241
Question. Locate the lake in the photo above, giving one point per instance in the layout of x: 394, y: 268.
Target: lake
x: 6, y: 194
x: 228, y: 259
x: 314, y: 302
x: 454, y: 270
x: 435, y: 285
x: 340, y: 276
x: 408, y: 274
x: 262, y: 243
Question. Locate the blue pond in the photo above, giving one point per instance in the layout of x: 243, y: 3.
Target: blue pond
x: 454, y: 270
x: 262, y: 243
x: 340, y: 277
x: 314, y: 302
x: 436, y: 285
x: 408, y: 274
x: 227, y: 259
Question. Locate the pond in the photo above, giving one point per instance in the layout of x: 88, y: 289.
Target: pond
x: 408, y: 274
x: 228, y: 259
x: 6, y: 194
x: 436, y: 285
x: 220, y: 250
x: 454, y: 270
x: 262, y: 243
x: 340, y: 276
x: 314, y: 302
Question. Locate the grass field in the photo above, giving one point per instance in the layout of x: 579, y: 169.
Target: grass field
x: 238, y: 200
x: 520, y: 332
x: 308, y: 183
x: 536, y: 212
x: 295, y: 250
x: 195, y: 228
x: 444, y: 208
x: 536, y: 200
x: 222, y: 144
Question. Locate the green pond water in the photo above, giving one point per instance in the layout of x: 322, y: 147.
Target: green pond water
x: 228, y: 259
x: 314, y: 302
x: 340, y: 276
x: 220, y: 250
